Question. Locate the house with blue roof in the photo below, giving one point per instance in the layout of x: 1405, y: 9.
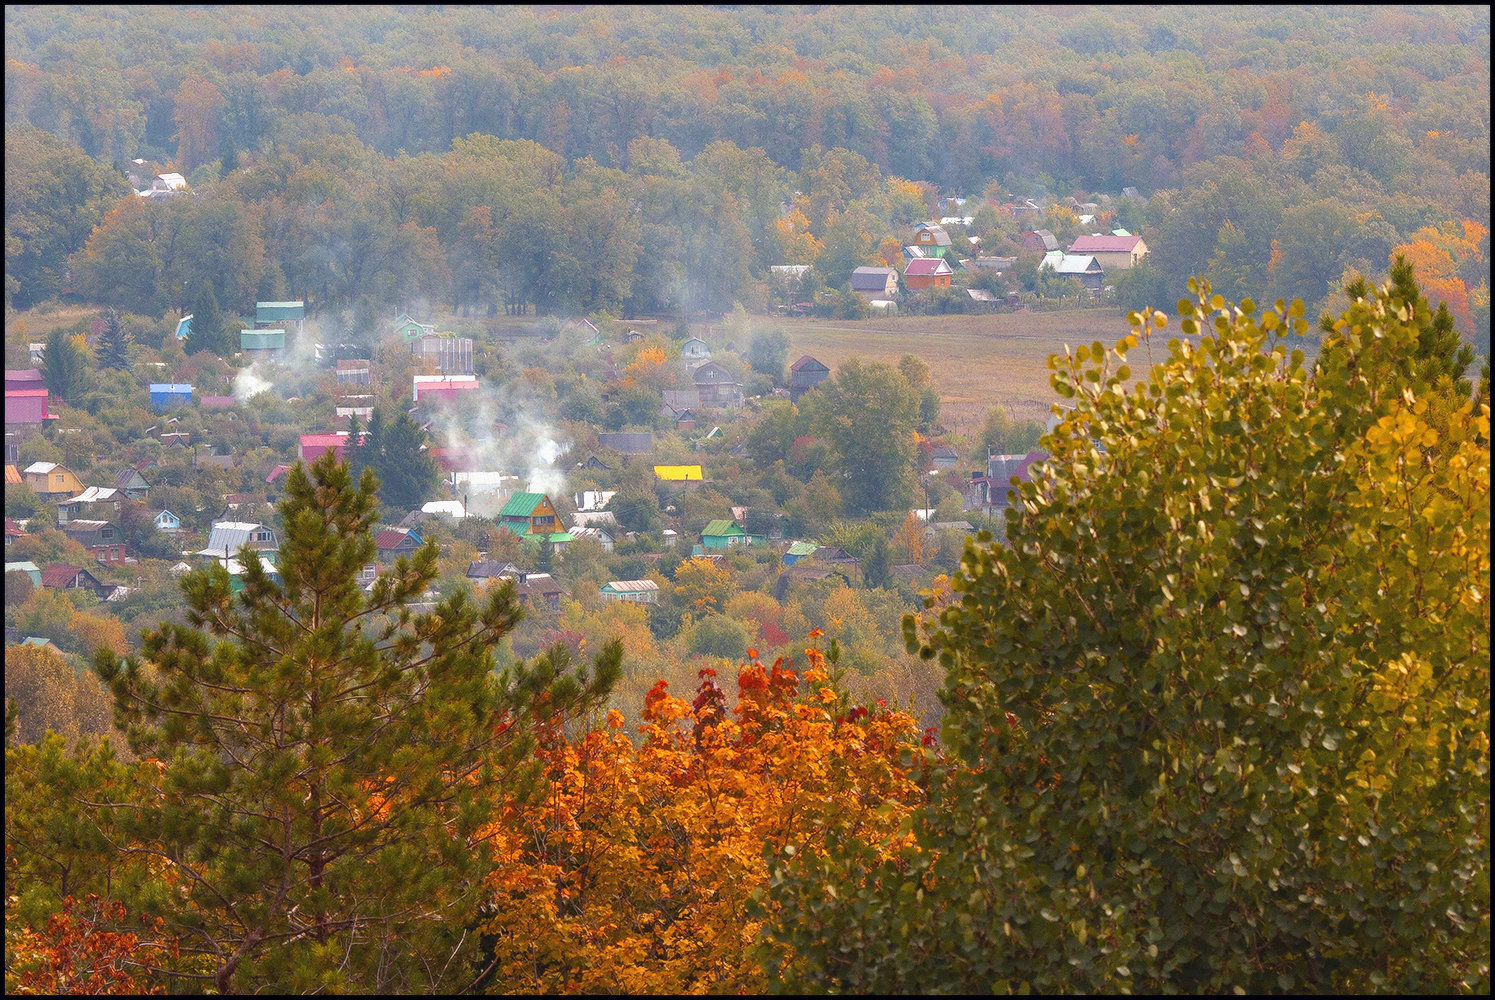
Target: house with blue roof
x: 165, y: 395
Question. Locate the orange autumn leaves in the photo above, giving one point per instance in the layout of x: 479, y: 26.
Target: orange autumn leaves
x: 634, y: 871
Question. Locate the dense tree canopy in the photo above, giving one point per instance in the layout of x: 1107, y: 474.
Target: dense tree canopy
x: 1219, y: 712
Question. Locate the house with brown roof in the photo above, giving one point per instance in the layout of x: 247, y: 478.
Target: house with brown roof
x: 396, y: 542
x: 1039, y: 241
x: 132, y: 484
x: 804, y: 375
x: 104, y: 541
x: 1115, y: 253
x: 717, y: 387
x: 932, y: 239
x: 61, y: 576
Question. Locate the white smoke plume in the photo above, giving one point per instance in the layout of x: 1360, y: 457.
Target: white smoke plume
x: 250, y: 383
x: 507, y: 432
x: 292, y: 374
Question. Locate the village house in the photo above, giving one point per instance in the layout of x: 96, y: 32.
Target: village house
x: 991, y: 490
x: 184, y: 327
x: 49, y: 480
x: 269, y: 342
x: 273, y: 315
x: 678, y: 473
x: 875, y: 283
x: 314, y: 446
x: 165, y: 395
x: 601, y: 534
x: 1039, y: 241
x: 1083, y: 267
x: 725, y: 533
x: 167, y: 522
x: 427, y: 389
x: 798, y: 551
x: 589, y: 500
x: 164, y: 186
x: 91, y: 501
x: 396, y: 542
x: 218, y: 403
x: 932, y: 239
x: 227, y: 537
x: 804, y: 375
x: 631, y: 591
x: 539, y: 590
x: 101, y: 538
x: 61, y: 576
x: 211, y: 458
x: 717, y: 387
x: 532, y: 515
x: 931, y: 272
x: 410, y: 330
x: 23, y: 379
x: 26, y: 412
x: 943, y: 456
x: 28, y: 567
x: 12, y: 531
x: 1115, y: 253
x: 694, y: 349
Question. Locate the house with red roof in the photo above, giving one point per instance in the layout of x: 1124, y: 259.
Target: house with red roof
x: 314, y: 446
x: 927, y: 272
x: 396, y: 542
x: 1115, y: 253
x: 24, y: 378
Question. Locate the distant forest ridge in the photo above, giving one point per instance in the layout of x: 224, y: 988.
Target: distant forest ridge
x: 953, y: 95
x: 1280, y: 148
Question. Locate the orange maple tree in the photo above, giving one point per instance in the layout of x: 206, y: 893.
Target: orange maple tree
x: 634, y: 872
x: 78, y: 953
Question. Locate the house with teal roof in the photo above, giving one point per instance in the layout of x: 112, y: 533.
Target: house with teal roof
x: 262, y: 340
x: 271, y: 315
x: 27, y: 567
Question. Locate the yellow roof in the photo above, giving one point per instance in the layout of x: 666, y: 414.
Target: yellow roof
x: 678, y: 473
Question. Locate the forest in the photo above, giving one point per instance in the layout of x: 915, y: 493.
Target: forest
x: 437, y: 561
x: 640, y: 161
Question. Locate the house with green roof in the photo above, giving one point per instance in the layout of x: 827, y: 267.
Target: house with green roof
x: 532, y: 515
x: 798, y: 551
x: 725, y: 533
x: 262, y: 340
x: 279, y: 314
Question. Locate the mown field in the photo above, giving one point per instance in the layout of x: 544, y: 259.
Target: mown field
x: 976, y: 361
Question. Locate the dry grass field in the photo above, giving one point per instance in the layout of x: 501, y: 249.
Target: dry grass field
x: 976, y: 361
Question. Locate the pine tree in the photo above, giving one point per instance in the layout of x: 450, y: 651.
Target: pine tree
x: 208, y: 331
x: 115, y: 344
x: 407, y: 470
x: 66, y: 368
x: 329, y: 758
